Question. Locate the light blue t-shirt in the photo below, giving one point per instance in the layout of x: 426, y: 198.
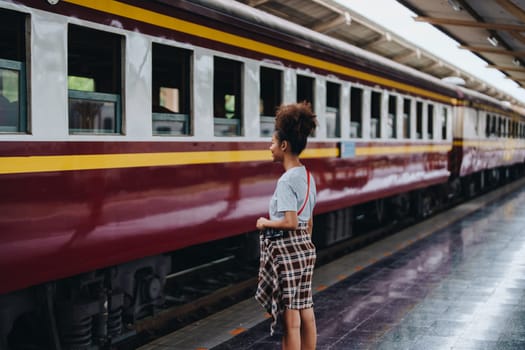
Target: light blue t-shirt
x: 290, y: 194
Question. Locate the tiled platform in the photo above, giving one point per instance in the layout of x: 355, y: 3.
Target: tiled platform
x: 452, y: 282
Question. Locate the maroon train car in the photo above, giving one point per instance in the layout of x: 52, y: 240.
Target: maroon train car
x: 136, y: 130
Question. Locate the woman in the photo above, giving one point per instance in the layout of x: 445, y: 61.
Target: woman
x: 287, y: 253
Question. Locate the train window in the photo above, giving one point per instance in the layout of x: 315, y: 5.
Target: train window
x: 444, y: 121
x: 227, y: 97
x: 430, y: 122
x: 271, y: 97
x: 500, y: 127
x: 493, y: 125
x: 375, y: 115
x: 419, y: 120
x: 487, y: 125
x: 94, y: 81
x: 12, y: 72
x: 305, y: 90
x: 356, y: 112
x: 407, y: 104
x: 333, y: 127
x: 392, y: 117
x: 170, y: 90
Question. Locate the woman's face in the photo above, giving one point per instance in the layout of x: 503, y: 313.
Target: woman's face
x: 276, y: 149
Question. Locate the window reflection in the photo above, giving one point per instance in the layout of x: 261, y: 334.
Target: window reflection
x: 90, y: 116
x: 9, y: 100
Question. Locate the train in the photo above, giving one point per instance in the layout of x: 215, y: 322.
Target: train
x: 134, y: 136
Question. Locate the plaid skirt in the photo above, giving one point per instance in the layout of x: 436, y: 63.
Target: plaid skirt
x: 285, y: 274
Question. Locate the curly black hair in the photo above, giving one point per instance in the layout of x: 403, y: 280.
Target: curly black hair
x: 294, y: 123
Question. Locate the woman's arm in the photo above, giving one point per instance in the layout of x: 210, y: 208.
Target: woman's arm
x: 289, y: 222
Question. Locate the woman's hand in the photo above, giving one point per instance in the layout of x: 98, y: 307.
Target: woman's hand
x: 261, y: 223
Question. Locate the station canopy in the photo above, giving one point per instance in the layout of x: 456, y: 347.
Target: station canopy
x: 490, y: 29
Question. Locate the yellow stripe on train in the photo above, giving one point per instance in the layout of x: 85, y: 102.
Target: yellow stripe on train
x: 14, y: 165
x: 30, y: 164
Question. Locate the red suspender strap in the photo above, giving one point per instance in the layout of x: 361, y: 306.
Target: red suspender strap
x: 307, y: 194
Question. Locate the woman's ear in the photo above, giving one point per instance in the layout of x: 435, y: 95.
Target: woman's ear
x: 284, y: 145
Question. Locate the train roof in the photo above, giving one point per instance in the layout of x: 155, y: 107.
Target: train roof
x: 260, y: 18
x: 338, y: 21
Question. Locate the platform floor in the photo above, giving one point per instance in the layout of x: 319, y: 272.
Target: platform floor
x: 456, y: 281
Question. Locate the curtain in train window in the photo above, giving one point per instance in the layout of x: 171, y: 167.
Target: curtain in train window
x: 12, y: 72
x: 227, y: 93
x: 94, y: 81
x: 270, y: 81
x: 170, y: 90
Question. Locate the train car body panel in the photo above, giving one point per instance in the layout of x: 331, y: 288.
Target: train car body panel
x: 76, y: 201
x: 481, y: 146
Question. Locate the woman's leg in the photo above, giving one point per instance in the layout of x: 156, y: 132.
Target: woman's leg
x: 308, y: 329
x: 292, y: 330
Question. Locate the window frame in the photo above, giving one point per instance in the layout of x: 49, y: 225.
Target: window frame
x: 407, y: 113
x: 392, y: 98
x: 264, y: 118
x: 334, y: 109
x: 224, y: 121
x: 379, y: 95
x: 98, y: 95
x: 358, y: 108
x: 185, y: 118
